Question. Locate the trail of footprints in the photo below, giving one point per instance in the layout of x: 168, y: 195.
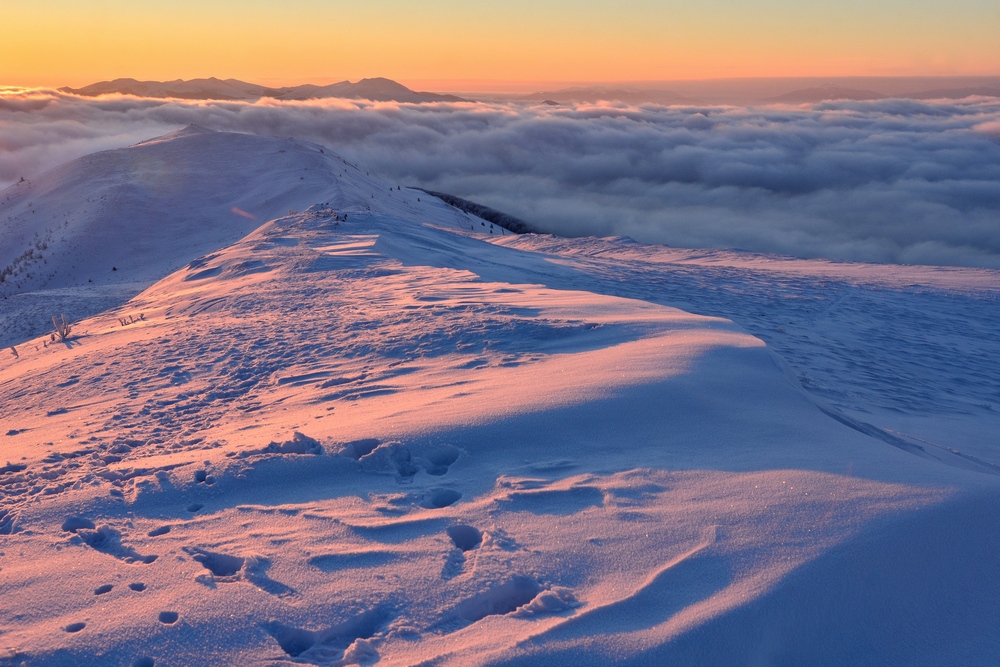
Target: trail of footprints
x: 108, y: 540
x: 352, y: 640
x: 164, y: 617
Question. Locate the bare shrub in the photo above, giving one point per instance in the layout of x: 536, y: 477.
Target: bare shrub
x: 62, y: 327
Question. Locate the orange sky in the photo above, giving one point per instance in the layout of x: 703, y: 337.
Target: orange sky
x: 442, y: 44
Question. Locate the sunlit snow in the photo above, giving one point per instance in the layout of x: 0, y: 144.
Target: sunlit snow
x: 357, y: 425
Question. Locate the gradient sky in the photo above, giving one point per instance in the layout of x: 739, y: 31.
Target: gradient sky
x: 69, y: 42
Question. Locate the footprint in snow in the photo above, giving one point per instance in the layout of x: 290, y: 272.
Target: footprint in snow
x: 75, y: 523
x: 519, y: 596
x: 437, y: 460
x: 226, y: 568
x: 168, y: 617
x: 464, y: 538
x: 346, y: 640
x: 440, y: 498
x: 202, y: 477
x: 104, y: 539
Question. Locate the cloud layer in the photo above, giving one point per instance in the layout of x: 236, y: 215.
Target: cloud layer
x: 887, y: 181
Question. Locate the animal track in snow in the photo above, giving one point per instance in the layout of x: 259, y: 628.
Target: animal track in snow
x: 465, y: 537
x: 299, y: 444
x: 501, y: 599
x: 440, y: 498
x: 335, y: 644
x: 101, y: 590
x: 8, y: 522
x: 358, y: 448
x: 75, y: 523
x: 551, y: 601
x: 75, y: 627
x: 138, y: 586
x: 438, y: 459
x: 225, y: 568
x: 521, y: 597
x: 107, y: 540
x: 156, y: 532
x: 393, y: 458
x: 400, y: 459
x: 202, y: 477
x: 220, y: 565
x: 168, y: 617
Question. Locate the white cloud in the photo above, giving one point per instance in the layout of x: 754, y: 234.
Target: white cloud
x: 890, y: 180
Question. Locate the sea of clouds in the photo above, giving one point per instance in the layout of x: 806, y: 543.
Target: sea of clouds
x: 888, y: 181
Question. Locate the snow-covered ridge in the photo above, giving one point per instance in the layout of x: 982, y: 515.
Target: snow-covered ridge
x: 370, y: 431
x: 96, y: 231
x: 137, y: 213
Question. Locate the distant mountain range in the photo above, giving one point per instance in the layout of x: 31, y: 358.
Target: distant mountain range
x: 387, y: 90
x: 377, y: 89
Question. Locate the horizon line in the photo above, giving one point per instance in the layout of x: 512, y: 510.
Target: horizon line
x: 513, y: 86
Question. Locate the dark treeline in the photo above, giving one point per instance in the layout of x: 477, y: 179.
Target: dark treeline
x: 488, y: 214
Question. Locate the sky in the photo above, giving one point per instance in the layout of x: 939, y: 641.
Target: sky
x: 888, y: 181
x: 447, y: 44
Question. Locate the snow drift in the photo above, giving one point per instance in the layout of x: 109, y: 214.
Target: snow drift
x: 374, y: 431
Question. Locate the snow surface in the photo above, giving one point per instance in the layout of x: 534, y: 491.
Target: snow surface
x: 372, y: 431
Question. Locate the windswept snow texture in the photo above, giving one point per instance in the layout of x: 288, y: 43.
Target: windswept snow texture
x: 371, y: 431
